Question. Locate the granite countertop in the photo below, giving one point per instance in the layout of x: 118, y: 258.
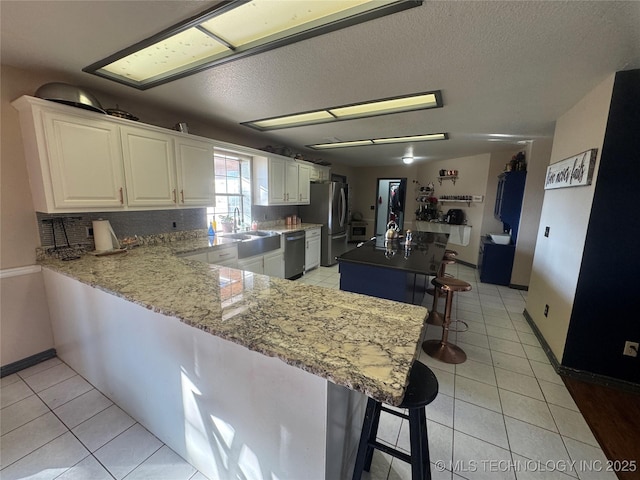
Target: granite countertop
x: 361, y: 342
x: 422, y: 255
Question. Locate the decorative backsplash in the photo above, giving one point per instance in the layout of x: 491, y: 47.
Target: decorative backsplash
x: 124, y: 224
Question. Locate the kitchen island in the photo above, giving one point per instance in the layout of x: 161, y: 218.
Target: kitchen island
x: 393, y: 269
x: 241, y: 374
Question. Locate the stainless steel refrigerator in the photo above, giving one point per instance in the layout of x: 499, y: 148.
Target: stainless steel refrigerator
x: 328, y: 206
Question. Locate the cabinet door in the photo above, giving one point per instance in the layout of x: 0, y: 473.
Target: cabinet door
x: 313, y: 251
x: 304, y: 183
x: 252, y: 264
x: 277, y: 181
x: 149, y: 164
x: 292, y: 185
x: 195, y: 170
x: 85, y: 162
x: 274, y: 264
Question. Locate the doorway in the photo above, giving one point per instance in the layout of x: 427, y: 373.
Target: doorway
x: 390, y: 202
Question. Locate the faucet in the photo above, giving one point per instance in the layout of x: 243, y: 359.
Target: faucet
x: 235, y: 219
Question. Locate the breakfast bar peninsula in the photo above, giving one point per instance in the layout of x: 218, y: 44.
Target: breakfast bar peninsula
x: 243, y: 375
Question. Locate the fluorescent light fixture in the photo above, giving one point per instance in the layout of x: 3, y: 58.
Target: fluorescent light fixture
x: 412, y: 138
x: 381, y: 107
x: 297, y: 119
x: 381, y: 141
x: 355, y: 143
x: 234, y: 29
x: 407, y: 160
x: 405, y: 103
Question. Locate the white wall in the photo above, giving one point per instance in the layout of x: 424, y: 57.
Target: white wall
x: 538, y: 154
x: 557, y: 259
x: 473, y: 173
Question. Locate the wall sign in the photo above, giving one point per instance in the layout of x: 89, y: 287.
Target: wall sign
x: 574, y: 171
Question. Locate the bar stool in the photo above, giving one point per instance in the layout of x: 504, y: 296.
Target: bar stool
x: 449, y: 258
x: 442, y: 349
x: 421, y: 391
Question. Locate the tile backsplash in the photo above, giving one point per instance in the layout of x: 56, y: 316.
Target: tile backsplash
x: 124, y: 224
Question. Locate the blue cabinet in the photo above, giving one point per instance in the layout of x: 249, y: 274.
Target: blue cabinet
x: 509, y: 200
x: 495, y: 262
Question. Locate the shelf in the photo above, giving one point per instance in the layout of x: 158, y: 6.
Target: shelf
x: 453, y: 178
x: 472, y: 199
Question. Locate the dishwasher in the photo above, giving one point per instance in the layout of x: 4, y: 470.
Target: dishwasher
x: 294, y: 251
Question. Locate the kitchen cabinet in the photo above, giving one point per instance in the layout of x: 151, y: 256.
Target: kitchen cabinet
x: 319, y: 173
x: 226, y: 257
x: 195, y: 172
x: 313, y: 248
x: 274, y: 264
x: 271, y: 264
x: 495, y: 262
x: 74, y: 161
x: 149, y: 162
x: 81, y: 161
x: 304, y: 183
x: 280, y: 181
x: 509, y: 200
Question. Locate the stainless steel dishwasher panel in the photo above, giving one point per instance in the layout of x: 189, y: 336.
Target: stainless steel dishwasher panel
x: 294, y: 254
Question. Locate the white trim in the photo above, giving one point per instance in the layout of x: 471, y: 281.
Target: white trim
x: 18, y: 271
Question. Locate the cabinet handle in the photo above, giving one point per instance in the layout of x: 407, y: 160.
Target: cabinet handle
x: 182, y: 195
x: 174, y: 196
x: 121, y: 197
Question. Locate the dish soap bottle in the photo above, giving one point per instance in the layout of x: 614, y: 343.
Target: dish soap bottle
x: 212, y: 228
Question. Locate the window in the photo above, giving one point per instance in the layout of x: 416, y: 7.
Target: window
x: 233, y: 188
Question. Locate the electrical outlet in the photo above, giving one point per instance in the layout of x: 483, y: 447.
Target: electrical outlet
x: 546, y: 310
x: 630, y: 349
x: 89, y: 232
x: 546, y: 231
x: 175, y: 225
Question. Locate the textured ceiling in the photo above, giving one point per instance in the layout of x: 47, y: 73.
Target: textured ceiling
x: 507, y: 68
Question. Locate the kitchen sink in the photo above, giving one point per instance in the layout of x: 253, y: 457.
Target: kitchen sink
x: 254, y: 242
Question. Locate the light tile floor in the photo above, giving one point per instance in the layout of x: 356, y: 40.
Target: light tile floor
x: 503, y: 414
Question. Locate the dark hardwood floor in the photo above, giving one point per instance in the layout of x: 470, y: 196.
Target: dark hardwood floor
x: 614, y: 418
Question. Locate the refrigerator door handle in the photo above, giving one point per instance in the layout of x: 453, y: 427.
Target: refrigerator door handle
x: 338, y: 237
x: 344, y: 207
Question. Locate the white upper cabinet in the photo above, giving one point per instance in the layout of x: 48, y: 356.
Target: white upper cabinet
x: 86, y: 161
x: 280, y: 181
x: 304, y: 183
x: 74, y: 161
x: 195, y: 169
x: 149, y: 163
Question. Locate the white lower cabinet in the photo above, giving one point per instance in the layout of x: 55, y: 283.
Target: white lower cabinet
x: 271, y: 264
x: 226, y: 257
x: 313, y: 240
x: 274, y: 264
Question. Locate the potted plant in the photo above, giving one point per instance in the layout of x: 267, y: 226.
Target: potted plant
x: 226, y: 222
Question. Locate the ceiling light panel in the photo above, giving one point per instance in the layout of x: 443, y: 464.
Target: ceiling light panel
x: 381, y: 107
x: 231, y: 30
x: 381, y: 141
x: 411, y: 138
x: 355, y: 143
x: 293, y: 120
x: 405, y: 103
x: 262, y: 21
x: 185, y: 49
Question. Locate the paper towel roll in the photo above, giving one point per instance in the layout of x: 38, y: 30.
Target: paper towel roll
x: 103, y: 236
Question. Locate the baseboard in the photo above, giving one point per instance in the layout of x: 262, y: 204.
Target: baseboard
x: 462, y: 262
x: 27, y: 362
x: 574, y: 373
x: 519, y: 287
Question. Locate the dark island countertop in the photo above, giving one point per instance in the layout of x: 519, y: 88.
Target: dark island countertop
x: 422, y: 255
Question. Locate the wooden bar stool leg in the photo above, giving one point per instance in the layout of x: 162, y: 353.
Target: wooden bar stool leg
x: 420, y: 470
x: 367, y: 436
